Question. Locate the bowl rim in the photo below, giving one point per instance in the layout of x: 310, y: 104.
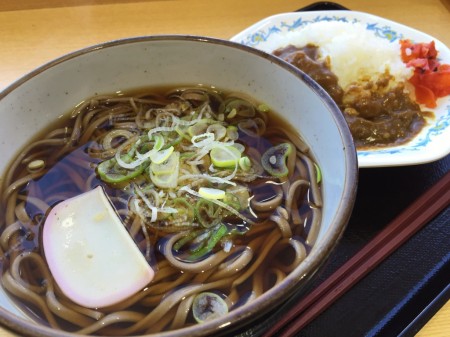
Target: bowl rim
x: 309, y: 265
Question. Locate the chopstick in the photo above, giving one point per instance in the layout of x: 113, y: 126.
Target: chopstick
x: 405, y: 225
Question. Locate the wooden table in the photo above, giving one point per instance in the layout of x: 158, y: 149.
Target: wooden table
x: 33, y: 32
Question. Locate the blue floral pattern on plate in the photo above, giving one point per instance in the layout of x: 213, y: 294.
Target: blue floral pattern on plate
x: 269, y: 29
x: 254, y: 39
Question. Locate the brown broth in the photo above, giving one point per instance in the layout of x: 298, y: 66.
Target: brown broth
x: 65, y: 176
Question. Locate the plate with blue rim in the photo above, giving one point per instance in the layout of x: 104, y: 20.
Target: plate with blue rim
x: 432, y: 143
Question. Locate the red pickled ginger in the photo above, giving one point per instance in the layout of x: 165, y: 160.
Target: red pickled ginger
x: 431, y: 79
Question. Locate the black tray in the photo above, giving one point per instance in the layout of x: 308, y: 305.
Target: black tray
x: 399, y: 296
x: 404, y: 291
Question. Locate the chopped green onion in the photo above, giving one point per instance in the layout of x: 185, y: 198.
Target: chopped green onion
x: 161, y: 156
x: 172, y: 139
x: 166, y: 166
x: 232, y: 114
x: 164, y: 180
x: 217, y: 233
x: 203, y: 139
x: 239, y: 146
x: 165, y: 175
x: 232, y: 132
x: 219, y: 203
x: 207, y: 306
x: 240, y: 107
x: 219, y: 131
x: 245, y: 163
x: 187, y: 155
x: 207, y: 213
x: 225, y: 156
x: 160, y: 129
x: 197, y: 129
x: 182, y: 132
x: 318, y: 173
x: 211, y: 193
x: 159, y: 142
x: 275, y: 158
x: 111, y: 172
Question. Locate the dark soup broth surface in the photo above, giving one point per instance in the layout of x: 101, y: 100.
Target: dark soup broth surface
x: 219, y: 196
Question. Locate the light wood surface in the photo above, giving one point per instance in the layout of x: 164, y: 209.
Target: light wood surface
x: 33, y: 32
x: 439, y: 324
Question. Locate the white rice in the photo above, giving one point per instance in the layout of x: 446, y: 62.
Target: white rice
x: 355, y: 52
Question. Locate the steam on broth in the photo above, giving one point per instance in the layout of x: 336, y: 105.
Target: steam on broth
x: 221, y: 196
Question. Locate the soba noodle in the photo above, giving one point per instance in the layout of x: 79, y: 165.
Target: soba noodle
x: 248, y: 244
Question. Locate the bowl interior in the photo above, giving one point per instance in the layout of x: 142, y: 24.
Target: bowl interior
x: 28, y: 105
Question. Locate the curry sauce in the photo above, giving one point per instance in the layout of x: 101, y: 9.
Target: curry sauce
x: 378, y: 112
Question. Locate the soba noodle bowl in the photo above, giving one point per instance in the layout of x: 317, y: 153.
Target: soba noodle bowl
x: 220, y: 195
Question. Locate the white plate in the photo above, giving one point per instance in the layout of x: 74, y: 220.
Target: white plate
x: 432, y: 143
